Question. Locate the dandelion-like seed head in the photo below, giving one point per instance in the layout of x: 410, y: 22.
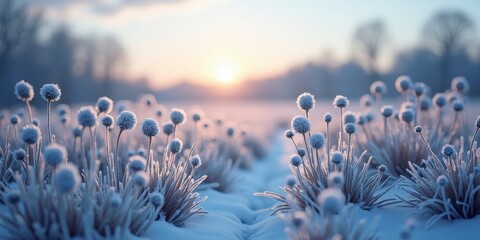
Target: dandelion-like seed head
x: 24, y: 91
x: 50, y: 92
x: 15, y: 119
x: 418, y: 129
x: 306, y: 101
x: 419, y: 88
x: 104, y: 104
x: 331, y: 200
x: 370, y: 116
x: 298, y: 218
x: 196, y: 161
x: 291, y: 181
x: 36, y: 122
x: 448, y: 150
x: 382, y: 168
x: 197, y: 116
x: 301, y: 152
x: 425, y: 103
x: 317, y: 140
x: 77, y: 131
x: 175, y: 146
x: 378, y: 88
x: 350, y: 117
x: 458, y: 105
x: 407, y: 115
x: 126, y: 120
x: 55, y: 154
x: 177, y: 116
x: 340, y: 101
x: 460, y: 85
x: 327, y: 117
x: 442, y: 180
x: 30, y: 134
x: 300, y: 124
x: 87, y: 117
x: 295, y: 160
x: 19, y: 155
x: 141, y: 178
x: 440, y: 99
x: 157, y: 199
x: 335, y: 179
x: 150, y: 127
x: 350, y: 128
x: 337, y: 158
x: 107, y: 121
x: 289, y: 133
x: 362, y: 119
x: 403, y: 84
x: 115, y: 200
x: 137, y: 163
x: 168, y: 128
x: 66, y: 178
x: 387, y: 111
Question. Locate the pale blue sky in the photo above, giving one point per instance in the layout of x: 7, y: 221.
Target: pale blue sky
x: 186, y: 40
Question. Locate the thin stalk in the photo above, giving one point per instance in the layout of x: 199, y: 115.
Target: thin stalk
x: 341, y: 132
x: 29, y: 110
x: 307, y: 150
x: 328, y: 148
x: 117, y: 157
x: 93, y: 150
x: 473, y: 140
x: 49, y: 106
x: 148, y: 156
x: 385, y: 127
x: 107, y: 143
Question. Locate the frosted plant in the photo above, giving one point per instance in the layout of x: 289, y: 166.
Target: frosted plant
x: 50, y: 93
x: 447, y: 187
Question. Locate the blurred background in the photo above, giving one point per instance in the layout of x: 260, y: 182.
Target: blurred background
x: 226, y: 49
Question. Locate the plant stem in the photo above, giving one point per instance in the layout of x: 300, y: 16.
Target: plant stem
x: 49, y: 105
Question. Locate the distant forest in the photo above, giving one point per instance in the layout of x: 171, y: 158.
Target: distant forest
x: 88, y: 67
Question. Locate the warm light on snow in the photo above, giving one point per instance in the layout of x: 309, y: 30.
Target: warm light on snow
x: 224, y: 73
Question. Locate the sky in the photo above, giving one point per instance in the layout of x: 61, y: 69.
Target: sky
x: 229, y: 41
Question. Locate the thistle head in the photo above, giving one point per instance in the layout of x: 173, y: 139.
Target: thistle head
x: 177, y: 116
x: 327, y: 117
x: 87, y: 117
x: 460, y: 85
x: 335, y: 179
x: 104, y: 105
x: 107, y: 121
x: 331, y: 200
x: 350, y: 128
x: 15, y: 119
x: 126, y: 120
x: 418, y: 129
x: 150, y: 127
x: 141, y: 179
x: 337, y: 158
x: 306, y: 101
x: 349, y: 117
x: 458, y: 105
x: 403, y: 84
x: 196, y: 161
x: 378, y: 88
x: 175, y: 146
x: 387, y: 111
x: 19, y: 155
x: 77, y: 131
x: 50, y: 92
x: 425, y: 103
x: 407, y: 115
x: 382, y: 168
x: 448, y: 150
x: 55, y: 154
x: 442, y: 180
x: 440, y: 99
x: 289, y: 133
x: 24, y: 91
x: 419, y: 88
x: 66, y: 178
x: 137, y: 163
x: 157, y: 199
x: 300, y: 124
x: 168, y: 128
x: 295, y: 160
x: 340, y: 101
x: 317, y: 140
x: 30, y: 134
x: 301, y: 152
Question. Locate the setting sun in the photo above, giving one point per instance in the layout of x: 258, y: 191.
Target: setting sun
x: 224, y: 73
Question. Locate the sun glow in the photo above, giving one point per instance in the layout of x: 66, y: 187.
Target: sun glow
x: 224, y: 73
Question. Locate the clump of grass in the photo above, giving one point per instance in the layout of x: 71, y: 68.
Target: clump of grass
x: 446, y: 187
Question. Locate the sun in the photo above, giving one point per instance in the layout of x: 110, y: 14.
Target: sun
x: 224, y: 73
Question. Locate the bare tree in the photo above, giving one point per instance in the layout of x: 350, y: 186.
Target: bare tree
x: 17, y: 27
x: 448, y: 33
x: 368, y: 41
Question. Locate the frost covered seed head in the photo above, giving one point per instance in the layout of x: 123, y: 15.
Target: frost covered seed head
x: 335, y: 179
x: 419, y: 88
x: 19, y: 155
x: 126, y: 120
x: 418, y: 129
x: 168, y: 128
x: 15, y: 119
x: 86, y: 116
x: 300, y: 124
x: 362, y: 119
x: 55, y: 154
x: 382, y: 168
x: 403, y: 84
x: 327, y: 117
x: 104, y: 104
x: 195, y: 161
x: 442, y: 180
x: 77, y: 131
x: 289, y: 134
x: 24, y: 91
x: 458, y: 106
x: 350, y: 128
x: 306, y: 101
x: 317, y: 140
x: 291, y: 181
x: 387, y: 111
x: 331, y: 200
x: 66, y: 178
x: 150, y: 127
x: 230, y: 131
x: 370, y: 116
x: 177, y: 116
x: 157, y: 199
x: 107, y: 121
x: 340, y: 101
x: 440, y: 100
x: 378, y: 87
x: 407, y: 115
x: 36, y: 122
x: 115, y: 200
x: 349, y: 117
x: 137, y: 163
x: 337, y: 158
x: 448, y: 150
x: 50, y: 92
x: 175, y: 146
x: 460, y: 85
x: 141, y: 178
x: 30, y: 134
x: 425, y: 103
x: 301, y: 152
x: 295, y: 160
x: 196, y: 117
